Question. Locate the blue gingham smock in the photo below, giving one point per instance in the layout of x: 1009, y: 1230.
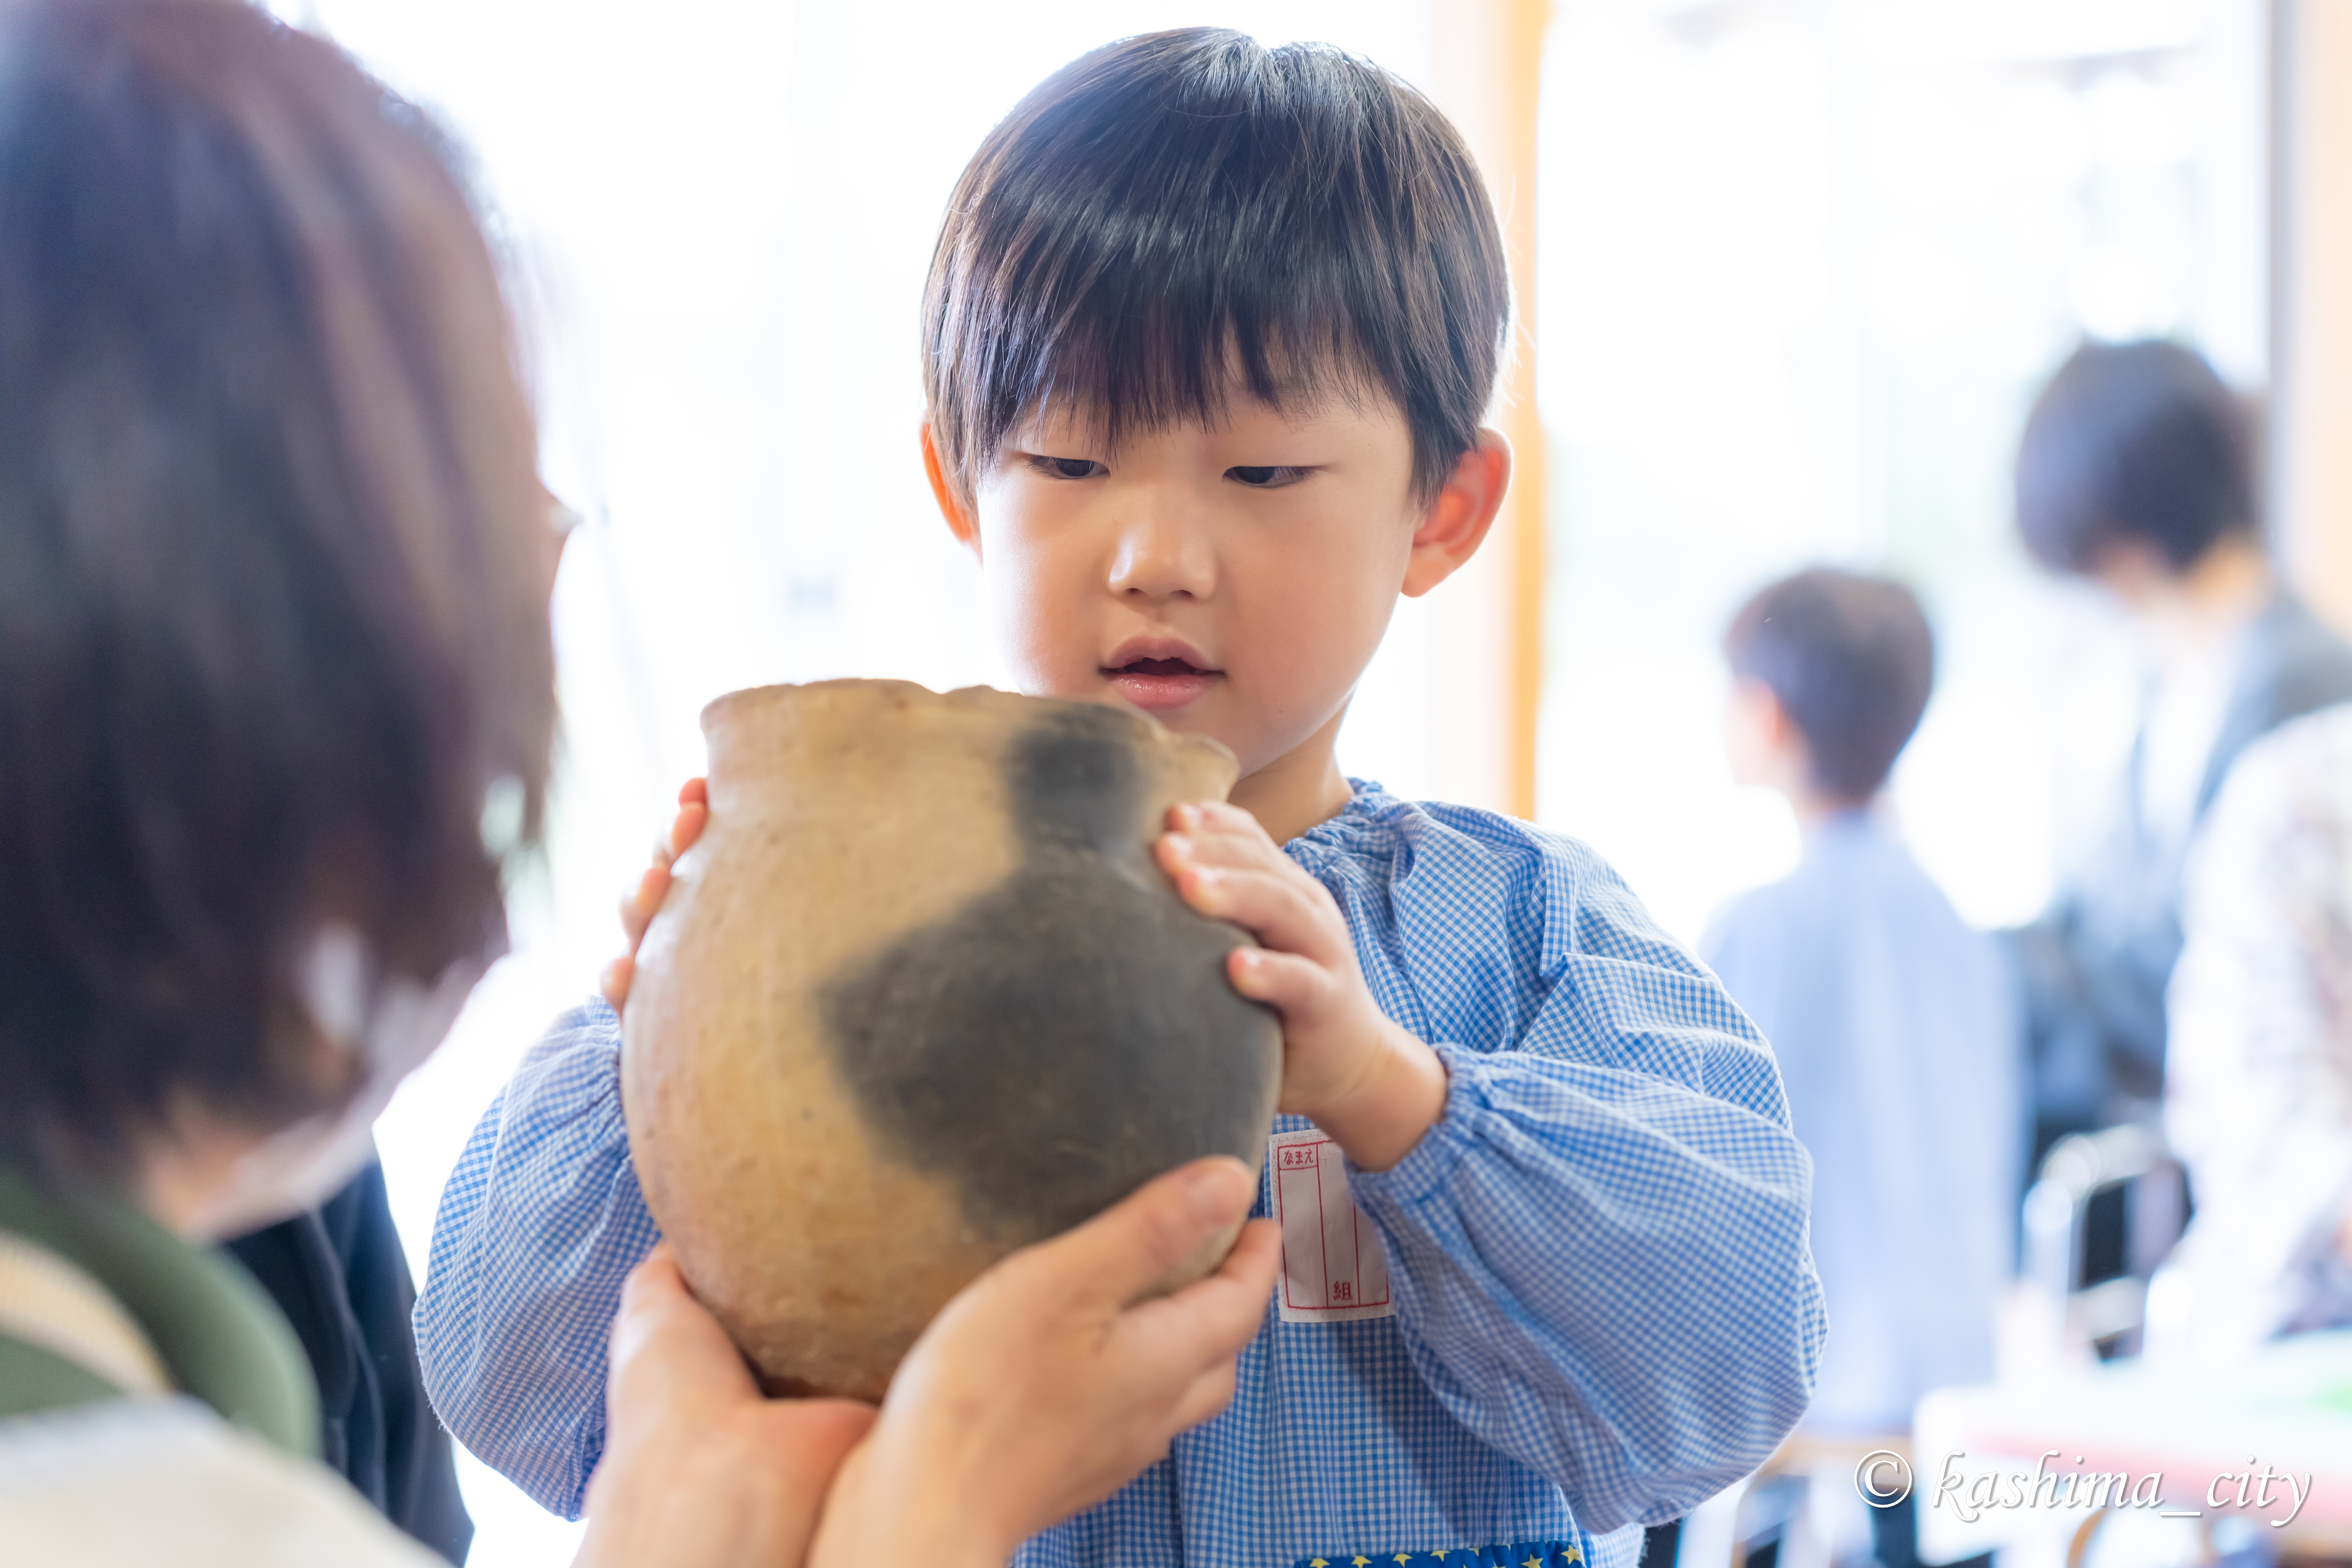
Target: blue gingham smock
x: 1605, y: 1307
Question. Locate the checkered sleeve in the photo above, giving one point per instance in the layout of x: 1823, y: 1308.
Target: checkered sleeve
x: 1600, y: 1250
x: 539, y: 1225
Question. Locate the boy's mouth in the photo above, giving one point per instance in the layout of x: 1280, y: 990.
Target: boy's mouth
x: 1161, y: 685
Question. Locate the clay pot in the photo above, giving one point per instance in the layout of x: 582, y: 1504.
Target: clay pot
x: 919, y: 996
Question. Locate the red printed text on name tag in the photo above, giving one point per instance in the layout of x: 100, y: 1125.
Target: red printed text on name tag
x: 1333, y: 1266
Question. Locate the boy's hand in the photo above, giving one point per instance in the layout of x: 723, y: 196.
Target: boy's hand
x: 638, y: 905
x: 1347, y: 1066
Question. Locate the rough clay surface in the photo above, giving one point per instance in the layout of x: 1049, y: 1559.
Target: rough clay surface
x: 919, y: 996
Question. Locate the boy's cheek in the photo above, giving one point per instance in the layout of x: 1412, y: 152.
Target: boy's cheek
x: 1047, y: 651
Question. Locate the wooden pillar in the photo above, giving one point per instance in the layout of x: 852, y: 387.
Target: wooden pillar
x: 2311, y: 452
x: 1488, y: 652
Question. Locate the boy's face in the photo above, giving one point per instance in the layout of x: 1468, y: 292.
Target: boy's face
x: 1231, y: 582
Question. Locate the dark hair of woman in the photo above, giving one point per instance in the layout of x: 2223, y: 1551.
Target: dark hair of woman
x: 273, y: 564
x: 2133, y: 442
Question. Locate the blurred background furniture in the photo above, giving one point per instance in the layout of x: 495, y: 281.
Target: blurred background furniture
x: 2103, y: 1302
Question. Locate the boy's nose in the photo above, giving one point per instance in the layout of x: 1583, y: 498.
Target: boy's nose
x: 1158, y: 557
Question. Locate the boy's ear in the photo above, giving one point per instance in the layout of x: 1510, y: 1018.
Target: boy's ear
x: 1455, y: 523
x: 959, y: 520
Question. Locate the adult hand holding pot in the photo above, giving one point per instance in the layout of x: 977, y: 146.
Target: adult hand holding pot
x: 1048, y: 1384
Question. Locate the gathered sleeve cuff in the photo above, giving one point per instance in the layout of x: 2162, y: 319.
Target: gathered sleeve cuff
x: 1605, y: 1274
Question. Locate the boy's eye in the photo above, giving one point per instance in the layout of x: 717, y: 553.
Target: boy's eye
x: 1068, y: 468
x: 1267, y: 479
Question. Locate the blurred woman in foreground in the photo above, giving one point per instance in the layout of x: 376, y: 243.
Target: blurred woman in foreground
x: 276, y: 704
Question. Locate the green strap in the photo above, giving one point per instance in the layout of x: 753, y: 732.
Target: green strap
x: 219, y: 1333
x: 34, y: 1378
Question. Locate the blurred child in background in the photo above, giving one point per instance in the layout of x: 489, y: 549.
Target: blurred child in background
x: 1898, y: 1026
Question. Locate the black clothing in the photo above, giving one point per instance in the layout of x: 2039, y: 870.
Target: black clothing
x: 341, y: 1279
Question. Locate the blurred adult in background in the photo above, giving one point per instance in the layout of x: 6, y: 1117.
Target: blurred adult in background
x: 2258, y: 1083
x: 2137, y: 472
x: 276, y: 697
x: 1896, y: 1027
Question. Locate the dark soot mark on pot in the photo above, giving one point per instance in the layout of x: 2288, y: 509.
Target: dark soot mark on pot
x: 1070, y: 1035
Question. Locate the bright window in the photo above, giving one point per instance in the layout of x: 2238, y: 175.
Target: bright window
x: 1803, y: 268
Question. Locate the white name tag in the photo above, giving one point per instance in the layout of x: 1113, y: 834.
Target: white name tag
x: 1333, y: 1265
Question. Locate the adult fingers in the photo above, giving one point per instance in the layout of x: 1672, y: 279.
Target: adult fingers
x: 1206, y: 1400
x: 1209, y: 1322
x: 655, y: 1276
x: 667, y: 1348
x: 1135, y: 1244
x: 1190, y: 1340
x: 809, y: 1437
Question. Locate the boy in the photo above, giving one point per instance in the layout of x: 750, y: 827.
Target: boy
x: 1896, y: 1027
x: 1209, y: 334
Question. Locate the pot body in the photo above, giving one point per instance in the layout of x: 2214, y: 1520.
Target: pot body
x: 919, y: 996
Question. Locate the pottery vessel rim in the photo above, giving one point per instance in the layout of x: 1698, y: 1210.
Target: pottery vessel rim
x: 966, y: 699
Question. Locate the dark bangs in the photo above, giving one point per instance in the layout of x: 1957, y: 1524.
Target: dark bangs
x: 1181, y: 217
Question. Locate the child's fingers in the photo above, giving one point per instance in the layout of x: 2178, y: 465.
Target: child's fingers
x: 641, y: 902
x: 1212, y: 817
x: 693, y: 811
x: 1226, y: 835
x: 687, y: 827
x: 638, y: 910
x: 1289, y: 914
x: 1296, y: 987
x: 1229, y: 851
x: 615, y: 980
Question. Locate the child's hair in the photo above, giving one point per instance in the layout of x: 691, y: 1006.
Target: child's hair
x: 1180, y: 217
x: 1850, y: 659
x: 2133, y: 441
